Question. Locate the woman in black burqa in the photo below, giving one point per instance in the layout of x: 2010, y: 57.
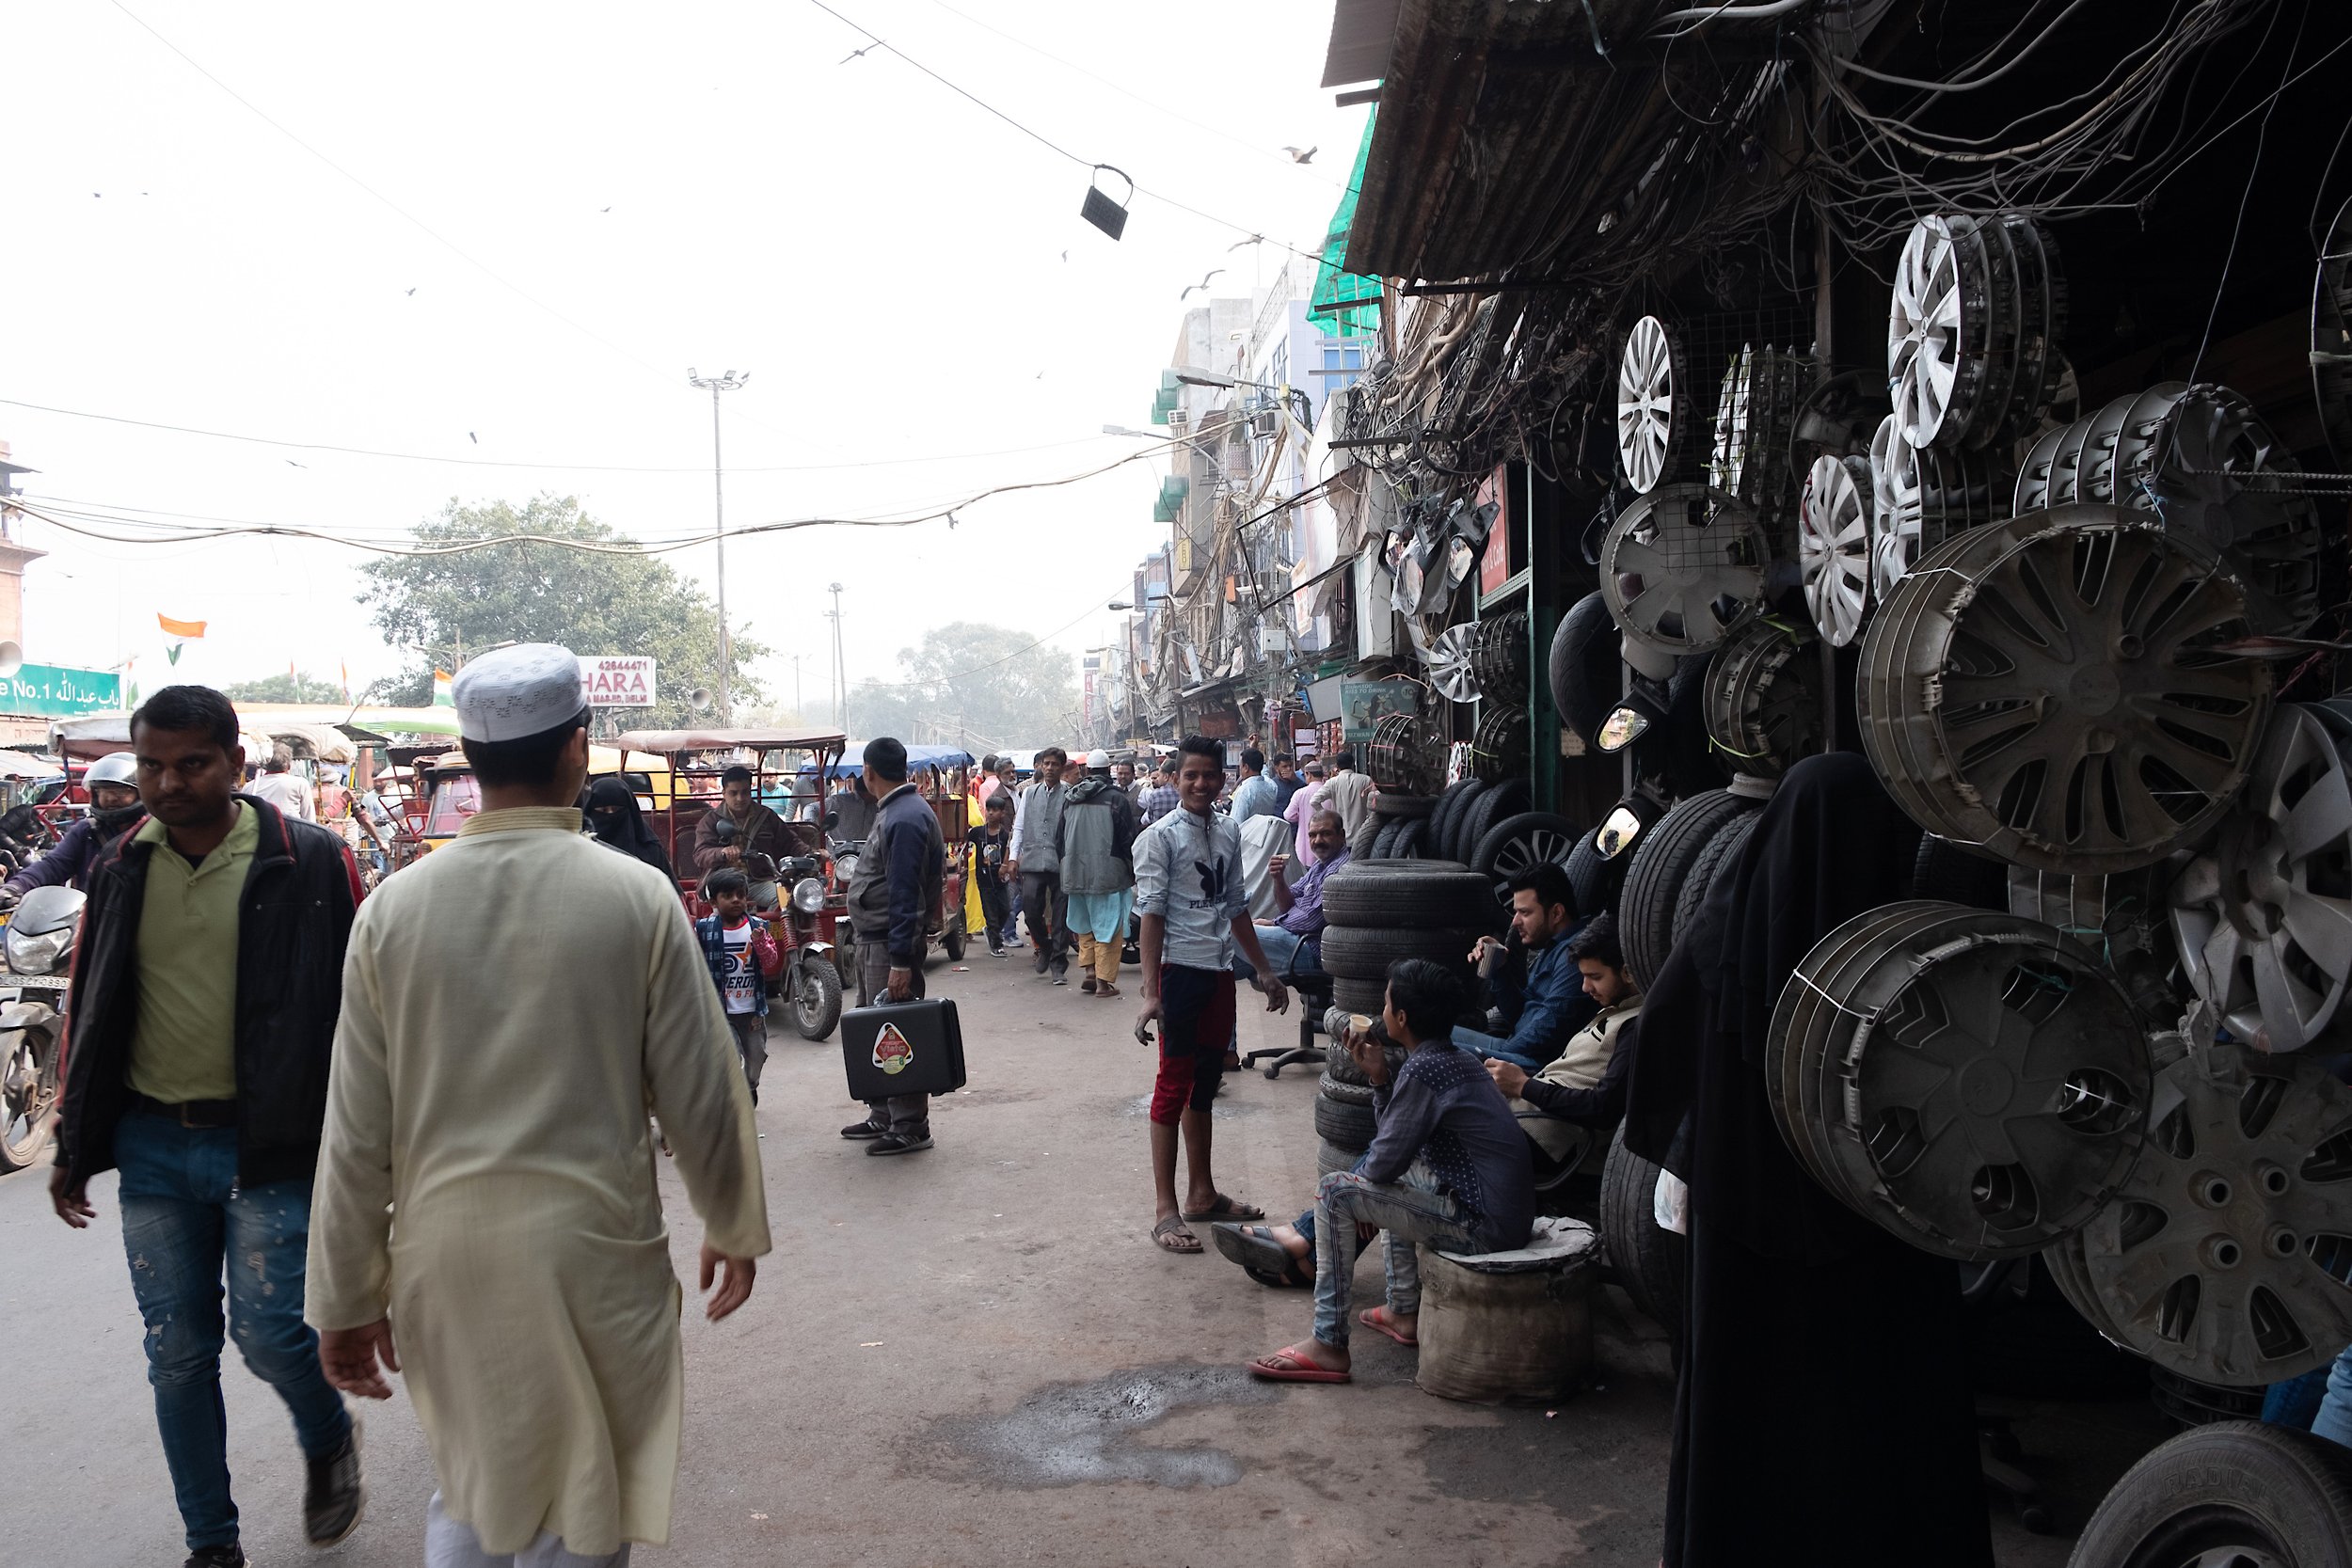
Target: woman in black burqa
x: 613, y: 817
x: 1824, y: 1416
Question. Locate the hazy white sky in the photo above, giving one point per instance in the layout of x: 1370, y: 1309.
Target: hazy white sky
x: 906, y: 278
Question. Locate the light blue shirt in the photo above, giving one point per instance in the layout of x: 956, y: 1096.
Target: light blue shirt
x: 1258, y: 795
x: 1188, y: 872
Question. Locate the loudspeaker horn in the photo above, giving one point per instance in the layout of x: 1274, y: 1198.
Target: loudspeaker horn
x: 11, y: 657
x: 699, y: 699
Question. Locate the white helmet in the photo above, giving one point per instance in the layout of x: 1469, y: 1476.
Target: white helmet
x: 115, y: 768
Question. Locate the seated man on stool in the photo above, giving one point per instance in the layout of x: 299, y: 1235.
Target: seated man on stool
x: 1447, y: 1166
x: 1552, y: 1004
x: 1582, y: 1088
x: 1293, y: 941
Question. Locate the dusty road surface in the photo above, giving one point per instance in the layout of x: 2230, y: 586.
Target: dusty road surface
x: 972, y: 1357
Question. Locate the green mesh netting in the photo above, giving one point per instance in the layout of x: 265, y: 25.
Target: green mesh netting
x: 1350, y: 302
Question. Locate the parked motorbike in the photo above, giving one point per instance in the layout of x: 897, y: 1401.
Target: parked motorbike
x: 38, y: 944
x: 811, y: 980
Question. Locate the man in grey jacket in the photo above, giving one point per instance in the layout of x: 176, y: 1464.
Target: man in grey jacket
x: 891, y: 899
x: 1036, y: 861
x: 1099, y: 824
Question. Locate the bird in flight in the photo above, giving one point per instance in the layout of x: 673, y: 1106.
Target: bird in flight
x: 412, y: 293
x: 1306, y: 157
x: 856, y: 53
x: 1201, y: 287
x: 291, y: 463
x: 605, y: 209
x: 472, y: 436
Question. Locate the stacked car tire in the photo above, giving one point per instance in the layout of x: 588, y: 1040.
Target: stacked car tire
x: 1379, y: 911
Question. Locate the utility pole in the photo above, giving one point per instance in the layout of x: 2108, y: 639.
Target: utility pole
x: 726, y: 382
x: 840, y: 680
x: 796, y: 687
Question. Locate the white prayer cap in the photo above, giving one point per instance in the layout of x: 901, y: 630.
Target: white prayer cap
x: 511, y: 692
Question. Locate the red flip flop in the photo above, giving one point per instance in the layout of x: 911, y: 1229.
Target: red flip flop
x: 1377, y: 1319
x: 1283, y: 1367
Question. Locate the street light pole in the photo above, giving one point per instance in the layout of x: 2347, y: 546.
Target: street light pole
x: 840, y: 678
x: 726, y: 382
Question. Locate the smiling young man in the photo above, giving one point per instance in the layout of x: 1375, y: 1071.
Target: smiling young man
x: 204, y: 1000
x: 1188, y: 889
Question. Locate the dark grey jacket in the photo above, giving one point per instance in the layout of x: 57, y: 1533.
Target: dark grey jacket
x: 897, y: 883
x: 1097, y: 838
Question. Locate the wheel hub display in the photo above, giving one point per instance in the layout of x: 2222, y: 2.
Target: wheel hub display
x: 1971, y: 1082
x: 1834, y: 545
x: 1763, y: 700
x: 2048, y: 688
x: 2227, y: 1256
x: 1681, y: 567
x: 2263, y: 917
x: 1653, y: 414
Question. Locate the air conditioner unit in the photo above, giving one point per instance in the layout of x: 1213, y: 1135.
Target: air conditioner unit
x: 1375, y: 622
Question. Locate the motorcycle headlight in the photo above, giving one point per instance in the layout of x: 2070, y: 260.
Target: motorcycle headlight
x: 844, y: 868
x: 808, y: 895
x: 36, y: 955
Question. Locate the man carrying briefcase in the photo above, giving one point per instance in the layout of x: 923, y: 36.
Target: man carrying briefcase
x: 897, y: 886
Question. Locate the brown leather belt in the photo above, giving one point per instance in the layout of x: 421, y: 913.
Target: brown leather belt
x: 187, y: 1113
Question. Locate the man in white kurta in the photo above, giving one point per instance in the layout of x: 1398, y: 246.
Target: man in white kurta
x: 514, y: 1003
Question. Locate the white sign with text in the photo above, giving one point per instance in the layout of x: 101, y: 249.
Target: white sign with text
x: 621, y: 680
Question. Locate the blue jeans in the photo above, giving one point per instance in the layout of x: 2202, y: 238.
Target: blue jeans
x: 1411, y: 1209
x: 2334, y: 1420
x: 1491, y: 1048
x: 1281, y: 950
x: 183, y: 1216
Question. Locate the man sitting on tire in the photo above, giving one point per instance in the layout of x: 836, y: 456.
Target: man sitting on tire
x: 1584, y: 1087
x: 1447, y: 1167
x: 1552, y: 1004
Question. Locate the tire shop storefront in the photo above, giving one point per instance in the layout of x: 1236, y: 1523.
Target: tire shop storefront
x: 1752, y: 385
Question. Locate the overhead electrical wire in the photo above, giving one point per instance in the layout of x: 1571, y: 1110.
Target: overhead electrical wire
x: 700, y: 468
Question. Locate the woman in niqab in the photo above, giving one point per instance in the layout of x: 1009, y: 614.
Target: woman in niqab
x: 1824, y: 1416
x: 613, y: 817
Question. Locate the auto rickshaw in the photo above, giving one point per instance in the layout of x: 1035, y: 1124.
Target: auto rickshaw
x: 807, y: 925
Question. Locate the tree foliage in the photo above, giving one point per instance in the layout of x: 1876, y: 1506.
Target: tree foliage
x: 303, y: 687
x: 982, y: 686
x: 437, y: 607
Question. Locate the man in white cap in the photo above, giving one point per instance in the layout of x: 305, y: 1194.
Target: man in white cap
x: 512, y: 1006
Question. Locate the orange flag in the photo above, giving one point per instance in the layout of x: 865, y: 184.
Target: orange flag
x: 180, y: 628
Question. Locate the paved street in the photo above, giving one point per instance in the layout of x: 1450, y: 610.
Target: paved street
x: 972, y: 1356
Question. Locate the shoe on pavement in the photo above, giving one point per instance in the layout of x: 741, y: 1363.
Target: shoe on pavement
x: 898, y: 1143
x: 230, y: 1555
x: 332, y: 1496
x: 1088, y: 984
x: 1061, y: 977
x: 863, y: 1130
x: 1039, y: 962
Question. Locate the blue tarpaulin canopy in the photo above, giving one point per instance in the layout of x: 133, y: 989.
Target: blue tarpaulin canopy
x: 917, y: 756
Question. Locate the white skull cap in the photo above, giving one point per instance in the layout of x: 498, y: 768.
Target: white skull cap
x: 511, y: 692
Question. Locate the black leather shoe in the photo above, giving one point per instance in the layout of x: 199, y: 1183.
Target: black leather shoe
x: 863, y: 1130
x: 215, y: 1556
x: 332, y: 1496
x: 900, y: 1143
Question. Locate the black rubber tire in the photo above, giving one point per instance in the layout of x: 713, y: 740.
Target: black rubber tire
x: 2285, y: 1494
x: 1587, y: 675
x: 816, y: 1005
x: 1593, y: 880
x: 1383, y: 841
x: 1450, y: 804
x: 1720, y: 853
x: 1406, y: 846
x: 1664, y: 859
x: 1330, y: 1157
x: 953, y: 939
x: 1945, y: 871
x: 1453, y: 805
x: 1652, y: 1264
x: 1349, y: 1091
x: 1521, y: 829
x: 1342, y: 1069
x: 1410, y: 806
x: 1496, y: 802
x: 1365, y: 952
x: 1359, y: 996
x: 1342, y: 1125
x: 1407, y: 892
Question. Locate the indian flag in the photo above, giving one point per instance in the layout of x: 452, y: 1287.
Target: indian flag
x: 441, y: 697
x: 180, y: 633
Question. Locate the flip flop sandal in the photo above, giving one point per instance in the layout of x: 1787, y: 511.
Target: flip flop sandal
x: 1260, y: 1257
x: 1282, y: 1367
x: 1165, y: 1235
x: 1226, y: 1208
x: 1380, y: 1325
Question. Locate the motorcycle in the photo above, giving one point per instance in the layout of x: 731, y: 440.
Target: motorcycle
x: 38, y: 944
x: 811, y: 981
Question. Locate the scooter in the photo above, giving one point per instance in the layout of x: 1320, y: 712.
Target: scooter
x: 38, y: 944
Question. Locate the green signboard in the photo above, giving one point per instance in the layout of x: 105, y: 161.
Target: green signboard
x: 54, y: 692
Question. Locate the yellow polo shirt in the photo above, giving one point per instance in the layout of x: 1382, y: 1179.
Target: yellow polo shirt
x: 185, y: 1045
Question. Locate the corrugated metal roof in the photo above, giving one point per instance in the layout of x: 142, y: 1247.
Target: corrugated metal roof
x: 1361, y: 31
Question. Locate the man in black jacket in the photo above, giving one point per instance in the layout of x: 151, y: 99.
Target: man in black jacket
x: 205, y: 991
x: 891, y: 899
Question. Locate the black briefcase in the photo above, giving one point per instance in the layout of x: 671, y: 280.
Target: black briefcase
x: 903, y: 1048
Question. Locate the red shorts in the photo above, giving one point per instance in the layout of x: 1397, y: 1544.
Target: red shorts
x: 1196, y: 1026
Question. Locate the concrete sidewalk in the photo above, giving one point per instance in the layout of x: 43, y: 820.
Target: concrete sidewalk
x: 969, y: 1356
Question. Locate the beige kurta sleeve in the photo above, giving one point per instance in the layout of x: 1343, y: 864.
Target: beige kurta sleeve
x: 696, y: 1082
x: 350, y: 1264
